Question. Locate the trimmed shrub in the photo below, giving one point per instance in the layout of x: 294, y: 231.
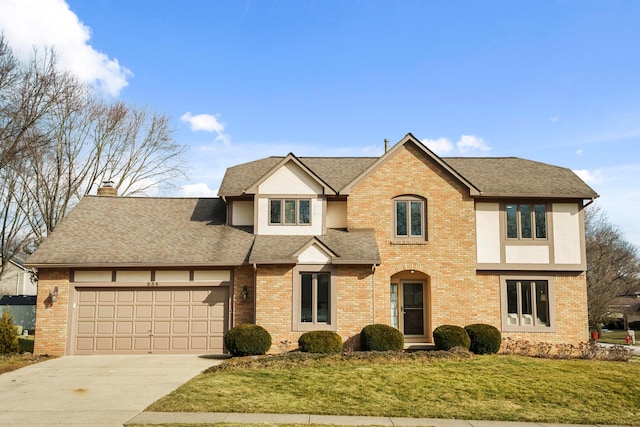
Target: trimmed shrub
x: 320, y: 342
x: 379, y: 337
x: 247, y: 340
x: 485, y: 339
x: 8, y: 334
x: 446, y: 337
x: 635, y: 325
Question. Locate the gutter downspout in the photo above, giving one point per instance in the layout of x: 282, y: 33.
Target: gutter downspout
x: 255, y: 291
x: 373, y: 294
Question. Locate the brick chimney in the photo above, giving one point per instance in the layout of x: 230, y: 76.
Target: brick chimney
x: 107, y: 189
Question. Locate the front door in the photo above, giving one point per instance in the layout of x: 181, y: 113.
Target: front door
x: 412, y: 307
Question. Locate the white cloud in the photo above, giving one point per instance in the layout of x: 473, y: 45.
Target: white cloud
x: 439, y: 146
x: 554, y: 119
x: 590, y: 177
x: 579, y: 152
x: 207, y: 123
x: 50, y: 23
x: 204, y: 122
x: 197, y: 190
x: 471, y: 143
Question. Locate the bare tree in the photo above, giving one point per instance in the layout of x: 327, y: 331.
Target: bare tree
x: 613, y: 266
x: 58, y: 142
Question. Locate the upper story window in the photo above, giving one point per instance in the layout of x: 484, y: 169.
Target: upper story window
x: 526, y: 221
x: 290, y: 211
x: 410, y: 220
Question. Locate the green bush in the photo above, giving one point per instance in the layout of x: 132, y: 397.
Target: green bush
x: 247, y: 340
x: 26, y: 344
x: 379, y: 337
x: 485, y: 339
x: 635, y: 325
x: 8, y: 334
x: 320, y: 342
x: 446, y: 337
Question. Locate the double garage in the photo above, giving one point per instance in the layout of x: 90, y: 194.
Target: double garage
x: 120, y: 313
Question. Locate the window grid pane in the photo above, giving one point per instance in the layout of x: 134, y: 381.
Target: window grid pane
x: 401, y: 218
x: 512, y: 221
x: 289, y: 211
x: 416, y: 218
x: 275, y: 211
x: 306, y: 298
x: 304, y: 209
x: 525, y: 222
x: 322, y: 298
x: 541, y: 221
x: 542, y: 303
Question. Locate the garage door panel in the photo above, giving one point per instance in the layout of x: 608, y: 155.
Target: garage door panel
x: 163, y: 312
x: 124, y: 311
x: 104, y: 328
x: 86, y: 312
x: 182, y: 296
x: 162, y: 328
x: 142, y: 343
x: 104, y: 343
x: 126, y: 296
x: 144, y: 296
x: 144, y: 311
x: 130, y: 320
x: 124, y: 344
x: 181, y: 311
x: 106, y: 312
x: 124, y: 328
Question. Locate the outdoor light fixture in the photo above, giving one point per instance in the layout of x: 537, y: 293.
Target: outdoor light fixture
x: 53, y: 295
x: 245, y: 293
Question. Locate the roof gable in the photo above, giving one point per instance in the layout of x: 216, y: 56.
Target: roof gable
x: 290, y: 158
x: 410, y: 139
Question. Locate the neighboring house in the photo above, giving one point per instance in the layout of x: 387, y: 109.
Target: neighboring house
x: 23, y: 310
x: 293, y: 244
x: 626, y: 307
x: 16, y: 278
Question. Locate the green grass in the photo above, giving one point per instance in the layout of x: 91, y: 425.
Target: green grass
x: 510, y: 388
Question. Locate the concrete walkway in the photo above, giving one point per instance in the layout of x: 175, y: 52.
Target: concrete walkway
x: 218, y: 417
x: 92, y: 390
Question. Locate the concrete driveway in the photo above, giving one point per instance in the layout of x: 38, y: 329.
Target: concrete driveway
x: 92, y: 390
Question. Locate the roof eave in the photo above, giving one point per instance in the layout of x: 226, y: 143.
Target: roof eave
x: 537, y: 196
x: 134, y: 264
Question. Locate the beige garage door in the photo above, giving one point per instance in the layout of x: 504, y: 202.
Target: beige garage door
x: 143, y: 320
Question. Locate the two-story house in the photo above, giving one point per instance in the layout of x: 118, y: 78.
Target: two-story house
x: 296, y: 244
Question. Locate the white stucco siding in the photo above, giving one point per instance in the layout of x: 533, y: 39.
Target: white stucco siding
x: 488, y: 232
x: 527, y: 254
x: 242, y: 213
x: 337, y: 215
x: 313, y: 255
x: 290, y: 179
x: 566, y: 233
x: 313, y: 229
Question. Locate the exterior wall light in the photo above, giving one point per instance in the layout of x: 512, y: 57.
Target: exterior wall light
x: 53, y: 295
x: 245, y: 293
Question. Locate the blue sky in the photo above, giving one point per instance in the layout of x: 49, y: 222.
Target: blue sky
x: 555, y: 81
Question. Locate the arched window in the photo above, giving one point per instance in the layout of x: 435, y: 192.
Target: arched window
x: 409, y: 218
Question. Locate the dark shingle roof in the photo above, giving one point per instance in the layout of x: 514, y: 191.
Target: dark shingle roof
x: 144, y: 231
x: 493, y: 176
x: 512, y: 176
x: 349, y: 247
x: 337, y: 172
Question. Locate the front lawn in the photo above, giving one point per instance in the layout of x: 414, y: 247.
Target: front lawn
x: 11, y: 362
x: 496, y: 387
